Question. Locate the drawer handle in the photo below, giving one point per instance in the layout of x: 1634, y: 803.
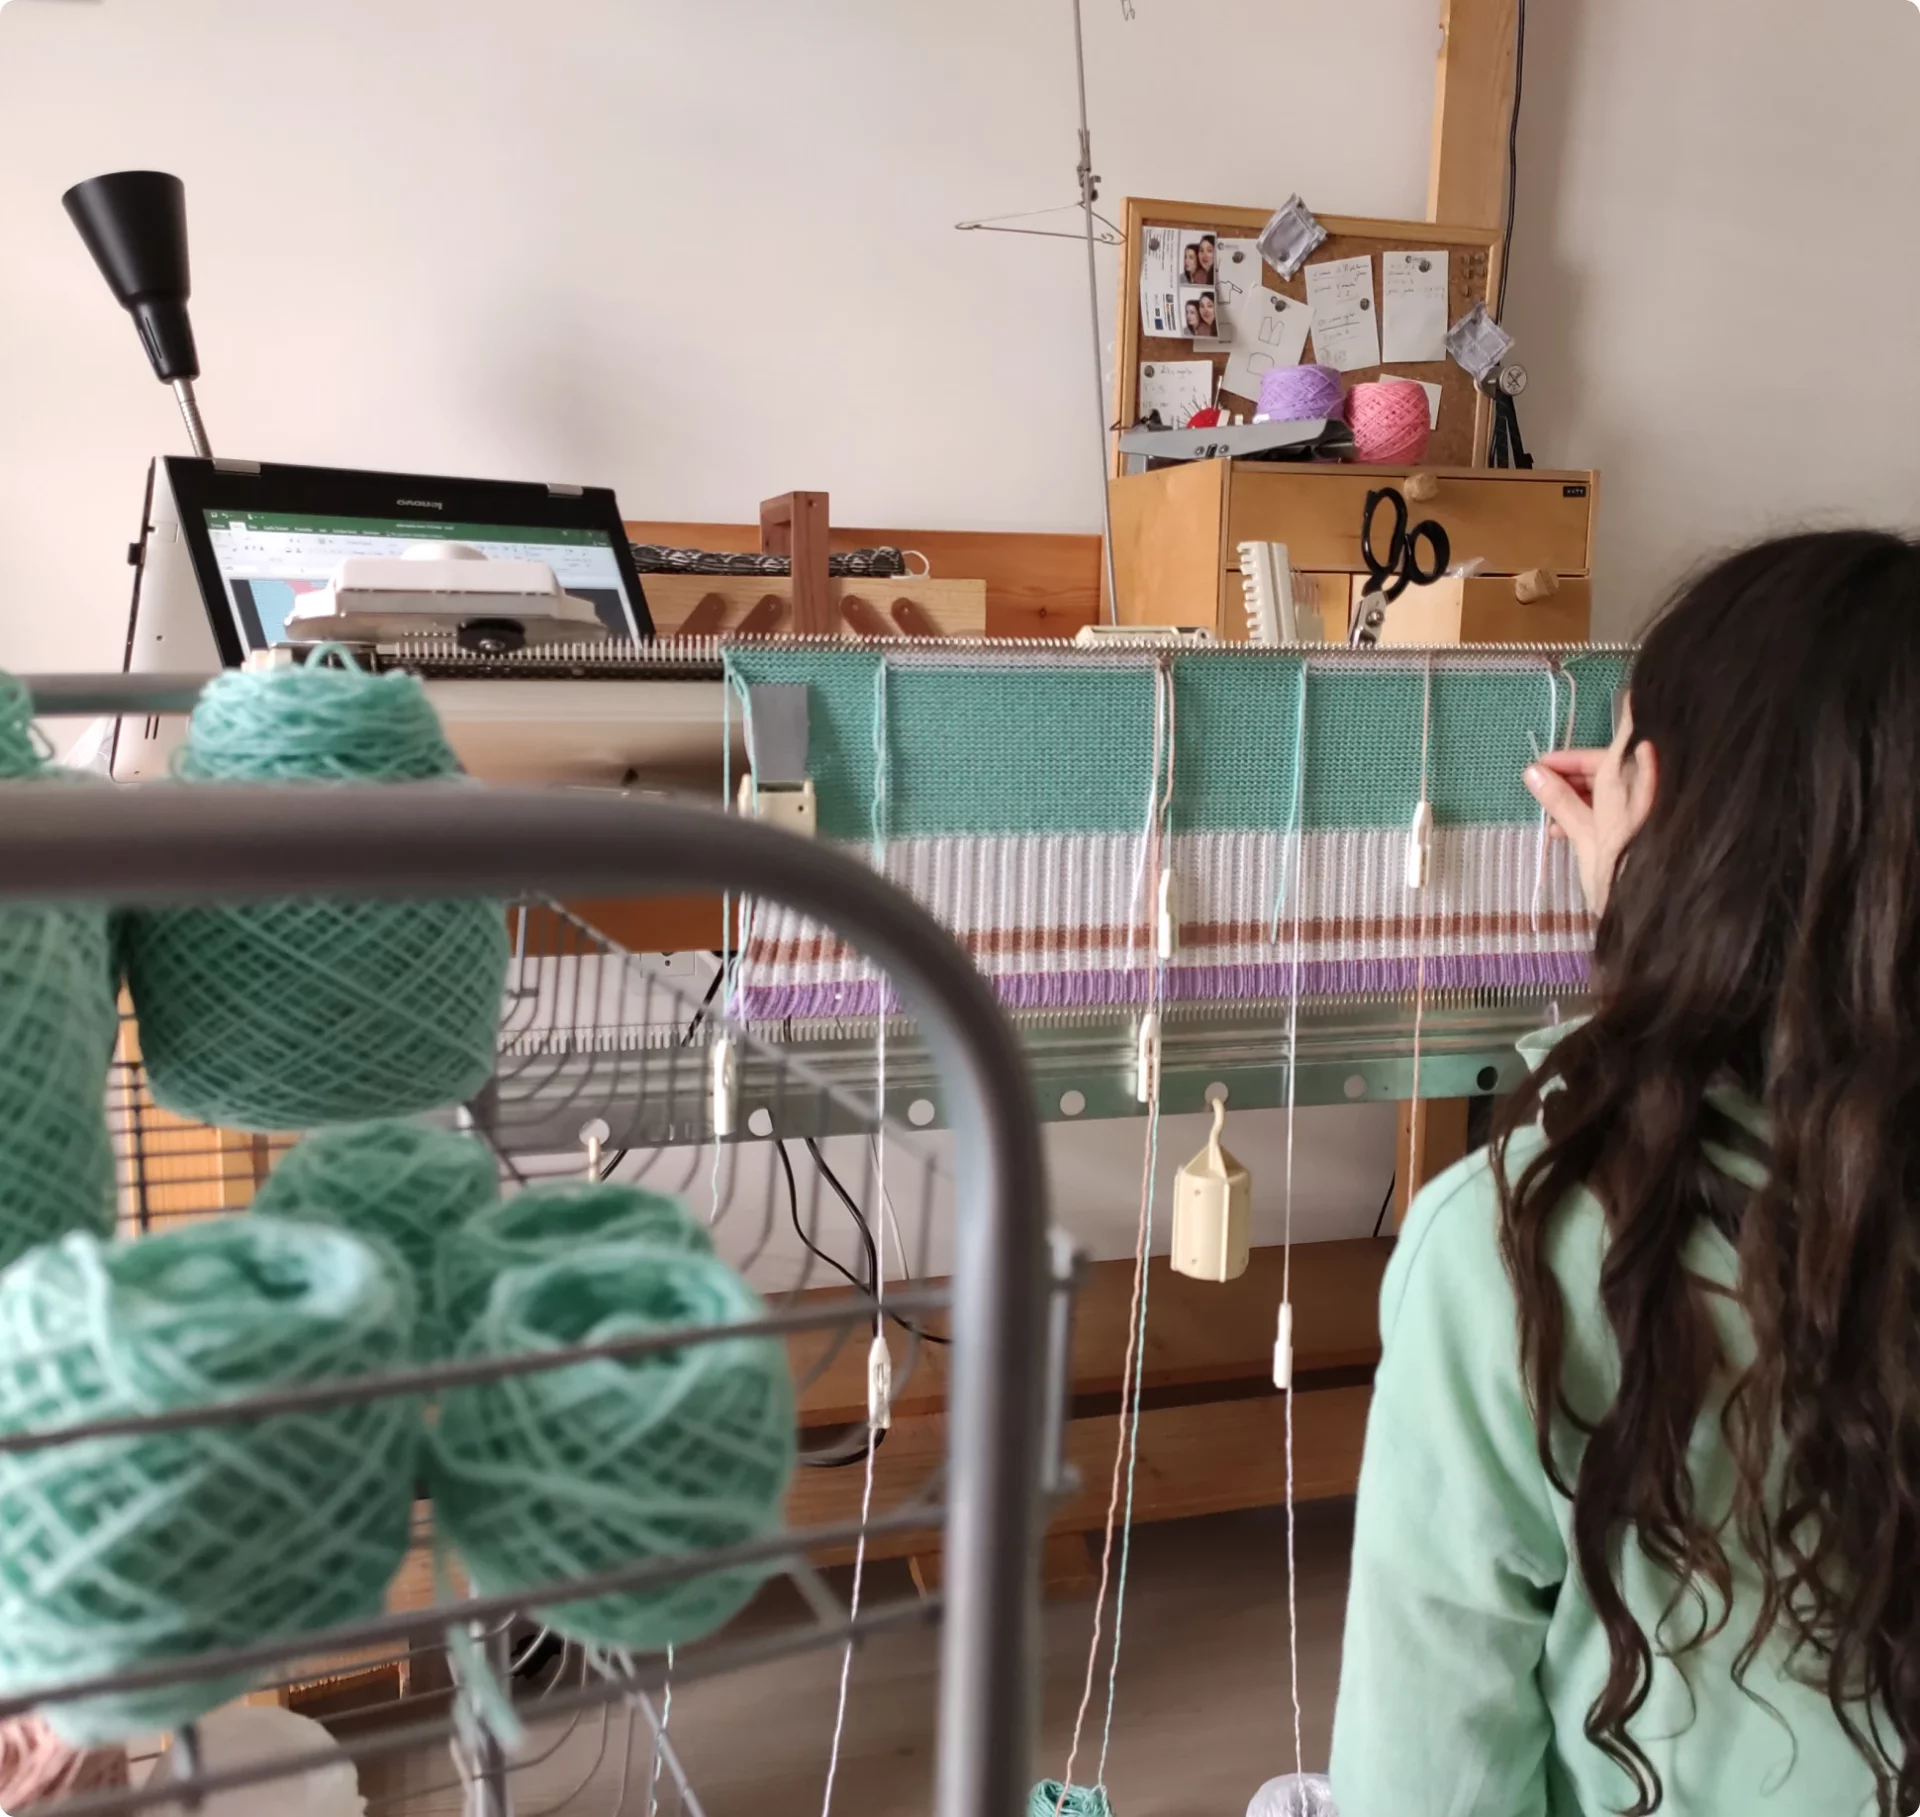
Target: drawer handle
x: 1422, y: 488
x: 1535, y: 585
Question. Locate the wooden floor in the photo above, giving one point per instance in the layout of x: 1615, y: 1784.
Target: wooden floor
x: 1202, y: 1715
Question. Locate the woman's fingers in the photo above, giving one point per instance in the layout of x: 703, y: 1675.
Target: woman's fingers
x: 1569, y: 805
x: 1580, y: 761
x: 1576, y: 768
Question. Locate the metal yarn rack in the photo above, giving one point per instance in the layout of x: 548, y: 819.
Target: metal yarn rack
x: 605, y: 1064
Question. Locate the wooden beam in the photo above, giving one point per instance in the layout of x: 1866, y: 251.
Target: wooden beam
x: 795, y: 525
x: 1433, y: 1135
x: 1473, y: 112
x: 1038, y: 585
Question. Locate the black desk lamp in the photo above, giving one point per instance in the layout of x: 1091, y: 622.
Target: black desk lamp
x: 135, y: 224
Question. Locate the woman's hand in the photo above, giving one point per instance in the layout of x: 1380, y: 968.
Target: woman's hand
x: 1562, y: 782
x: 1596, y: 801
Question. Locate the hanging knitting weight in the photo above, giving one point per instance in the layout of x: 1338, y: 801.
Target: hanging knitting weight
x: 1212, y: 1211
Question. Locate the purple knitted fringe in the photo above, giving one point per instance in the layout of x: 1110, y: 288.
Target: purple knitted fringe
x: 1197, y: 984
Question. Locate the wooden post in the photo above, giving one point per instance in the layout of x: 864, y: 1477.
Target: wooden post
x: 1433, y: 1135
x: 795, y: 525
x: 1466, y: 185
x: 1473, y: 112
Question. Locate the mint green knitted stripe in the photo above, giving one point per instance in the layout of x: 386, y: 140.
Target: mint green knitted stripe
x: 1043, y: 748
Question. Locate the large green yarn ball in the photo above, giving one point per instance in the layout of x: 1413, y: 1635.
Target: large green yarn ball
x: 125, y: 1552
x: 549, y: 1222
x: 408, y: 1186
x: 289, y: 1015
x: 58, y: 1023
x: 603, y: 1465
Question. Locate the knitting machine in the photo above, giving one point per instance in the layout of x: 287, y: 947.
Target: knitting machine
x: 1014, y: 787
x: 1304, y: 875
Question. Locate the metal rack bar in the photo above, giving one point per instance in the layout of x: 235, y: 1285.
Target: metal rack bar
x: 1351, y: 1053
x: 349, y: 1637
x: 689, y: 1666
x: 850, y: 1309
x: 226, y: 843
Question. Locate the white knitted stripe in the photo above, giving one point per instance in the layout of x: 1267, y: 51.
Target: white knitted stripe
x: 1074, y: 902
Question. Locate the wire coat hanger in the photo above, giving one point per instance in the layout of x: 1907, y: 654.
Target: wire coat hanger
x: 992, y: 224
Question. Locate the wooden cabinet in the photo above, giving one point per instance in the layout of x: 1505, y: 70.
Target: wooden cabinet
x: 1177, y: 535
x: 1480, y: 610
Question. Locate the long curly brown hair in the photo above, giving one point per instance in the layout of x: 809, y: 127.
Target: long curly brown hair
x: 1763, y: 931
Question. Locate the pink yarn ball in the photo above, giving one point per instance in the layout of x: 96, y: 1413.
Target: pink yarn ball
x: 1391, y: 427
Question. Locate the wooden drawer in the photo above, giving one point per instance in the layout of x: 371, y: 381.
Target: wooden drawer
x: 1512, y: 521
x: 1485, y: 611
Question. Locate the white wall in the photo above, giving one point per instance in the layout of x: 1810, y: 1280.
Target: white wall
x: 702, y: 252
x: 1716, y: 270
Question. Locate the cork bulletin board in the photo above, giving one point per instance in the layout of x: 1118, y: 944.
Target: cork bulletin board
x: 1473, y: 276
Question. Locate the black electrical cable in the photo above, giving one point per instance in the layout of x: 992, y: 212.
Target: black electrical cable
x: 860, y: 1223
x: 866, y: 1235
x: 1513, y: 156
x: 799, y: 1229
x: 706, y: 1003
x: 1384, y: 1203
x: 876, y: 1435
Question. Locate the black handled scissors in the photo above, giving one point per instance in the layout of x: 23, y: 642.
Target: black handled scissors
x: 1401, y: 567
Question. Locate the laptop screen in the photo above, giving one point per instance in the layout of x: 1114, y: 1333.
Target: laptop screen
x: 267, y: 559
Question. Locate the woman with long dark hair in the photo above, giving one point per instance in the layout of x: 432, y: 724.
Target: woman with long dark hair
x: 1639, y: 1520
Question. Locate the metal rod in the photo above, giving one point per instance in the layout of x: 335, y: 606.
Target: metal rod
x: 1089, y: 189
x: 57, y: 696
x: 846, y: 1309
x: 63, y: 694
x: 487, y: 1794
x: 407, y: 840
x: 186, y: 1745
x: 1069, y: 1269
x: 190, y: 410
x: 671, y: 1756
x: 688, y: 1667
x: 351, y: 1637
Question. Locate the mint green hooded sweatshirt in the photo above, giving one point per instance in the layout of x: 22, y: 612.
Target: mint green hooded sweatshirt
x: 1472, y: 1649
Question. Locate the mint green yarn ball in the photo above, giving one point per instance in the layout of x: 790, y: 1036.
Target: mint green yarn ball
x: 549, y: 1222
x: 1049, y: 1797
x: 290, y: 1015
x: 149, y: 1550
x: 58, y: 1022
x: 408, y: 1187
x: 604, y: 1465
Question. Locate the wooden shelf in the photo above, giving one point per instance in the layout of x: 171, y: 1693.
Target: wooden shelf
x: 1203, y: 1459
x: 1209, y: 1348
x: 1199, y: 1333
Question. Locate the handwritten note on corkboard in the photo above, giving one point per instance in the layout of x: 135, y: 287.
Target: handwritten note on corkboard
x: 1473, y: 276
